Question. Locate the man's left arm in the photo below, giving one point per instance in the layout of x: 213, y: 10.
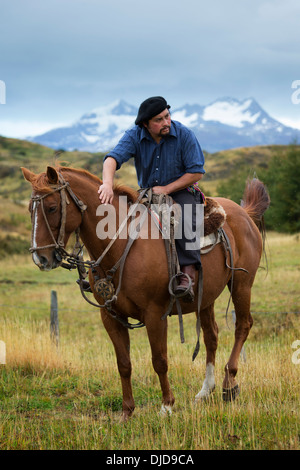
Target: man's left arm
x: 183, y: 182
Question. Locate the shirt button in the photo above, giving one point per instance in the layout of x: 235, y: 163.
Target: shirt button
x: 157, y: 156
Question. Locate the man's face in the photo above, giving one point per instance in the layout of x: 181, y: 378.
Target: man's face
x: 159, y: 125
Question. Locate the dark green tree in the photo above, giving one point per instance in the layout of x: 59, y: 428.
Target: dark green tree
x: 283, y: 182
x: 282, y: 178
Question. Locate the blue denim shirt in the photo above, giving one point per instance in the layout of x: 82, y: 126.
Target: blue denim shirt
x: 160, y: 164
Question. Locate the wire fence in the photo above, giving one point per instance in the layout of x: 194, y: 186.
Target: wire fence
x: 54, y: 321
x: 253, y: 312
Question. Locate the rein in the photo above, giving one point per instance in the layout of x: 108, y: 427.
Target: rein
x: 107, y: 282
x: 75, y: 259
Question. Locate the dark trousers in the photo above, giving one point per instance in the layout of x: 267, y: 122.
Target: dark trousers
x: 188, y: 202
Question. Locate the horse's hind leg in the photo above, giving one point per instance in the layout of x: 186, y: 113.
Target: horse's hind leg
x: 241, y: 298
x: 120, y: 338
x: 210, y: 332
x: 157, y: 334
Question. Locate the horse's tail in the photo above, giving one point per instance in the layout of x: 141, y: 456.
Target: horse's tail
x: 256, y: 201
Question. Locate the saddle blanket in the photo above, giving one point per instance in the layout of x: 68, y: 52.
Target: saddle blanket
x: 211, y: 239
x: 214, y: 218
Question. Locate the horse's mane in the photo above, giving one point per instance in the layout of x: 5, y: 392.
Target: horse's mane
x: 123, y: 190
x: 41, y: 183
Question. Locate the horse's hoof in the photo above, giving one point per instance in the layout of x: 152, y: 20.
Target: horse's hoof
x: 230, y: 394
x: 204, y: 394
x: 125, y: 417
x: 166, y: 410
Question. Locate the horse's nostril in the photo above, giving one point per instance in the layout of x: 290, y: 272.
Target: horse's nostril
x: 43, y: 260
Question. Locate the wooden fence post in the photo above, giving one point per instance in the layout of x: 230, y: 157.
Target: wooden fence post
x: 54, y: 325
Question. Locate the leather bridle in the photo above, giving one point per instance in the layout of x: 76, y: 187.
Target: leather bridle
x: 64, y: 189
x: 75, y: 259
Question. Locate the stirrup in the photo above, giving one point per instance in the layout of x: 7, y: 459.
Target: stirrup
x: 186, y: 294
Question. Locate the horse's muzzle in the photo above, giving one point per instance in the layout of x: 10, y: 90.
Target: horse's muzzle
x: 47, y: 261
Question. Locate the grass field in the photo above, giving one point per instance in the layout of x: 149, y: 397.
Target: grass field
x: 70, y: 397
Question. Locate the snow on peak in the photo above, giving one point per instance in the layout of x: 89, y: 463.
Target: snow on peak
x: 231, y: 112
x: 184, y: 118
x: 117, y: 107
x: 115, y: 117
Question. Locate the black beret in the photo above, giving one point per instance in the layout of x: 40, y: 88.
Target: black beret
x: 150, y: 108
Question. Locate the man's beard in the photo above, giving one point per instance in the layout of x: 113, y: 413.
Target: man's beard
x: 164, y: 129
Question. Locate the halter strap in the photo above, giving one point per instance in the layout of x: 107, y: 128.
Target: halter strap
x: 62, y: 188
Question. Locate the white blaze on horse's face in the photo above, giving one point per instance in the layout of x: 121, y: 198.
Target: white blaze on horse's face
x: 44, y: 262
x: 35, y: 224
x: 35, y: 256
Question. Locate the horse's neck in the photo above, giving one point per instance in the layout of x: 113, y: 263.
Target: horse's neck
x: 100, y: 223
x: 97, y: 215
x: 85, y: 188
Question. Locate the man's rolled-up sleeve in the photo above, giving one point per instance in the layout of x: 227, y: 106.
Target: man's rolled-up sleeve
x: 124, y: 150
x: 192, y: 155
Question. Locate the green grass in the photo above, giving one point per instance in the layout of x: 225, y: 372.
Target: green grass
x: 70, y: 397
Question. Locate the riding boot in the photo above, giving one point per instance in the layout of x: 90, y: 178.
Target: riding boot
x: 85, y: 285
x: 184, y: 283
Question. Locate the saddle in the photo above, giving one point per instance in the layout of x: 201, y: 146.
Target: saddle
x: 214, y: 216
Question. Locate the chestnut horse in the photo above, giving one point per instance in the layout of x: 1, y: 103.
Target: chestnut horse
x: 144, y: 294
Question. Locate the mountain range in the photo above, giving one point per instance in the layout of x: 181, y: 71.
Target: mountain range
x: 223, y: 124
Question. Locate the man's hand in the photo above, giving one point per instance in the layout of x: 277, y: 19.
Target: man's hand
x: 106, y: 193
x: 105, y: 190
x: 183, y: 182
x: 160, y: 190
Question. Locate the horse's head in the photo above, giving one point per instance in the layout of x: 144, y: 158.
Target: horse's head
x: 54, y: 217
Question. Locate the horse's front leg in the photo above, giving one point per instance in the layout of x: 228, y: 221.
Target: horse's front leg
x: 157, y: 334
x: 120, y: 338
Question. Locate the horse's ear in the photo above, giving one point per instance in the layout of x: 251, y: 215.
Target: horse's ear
x: 52, y: 175
x: 28, y: 175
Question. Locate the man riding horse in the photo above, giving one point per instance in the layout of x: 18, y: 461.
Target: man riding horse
x: 168, y: 159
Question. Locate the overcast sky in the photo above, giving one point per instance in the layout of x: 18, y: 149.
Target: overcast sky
x: 61, y: 58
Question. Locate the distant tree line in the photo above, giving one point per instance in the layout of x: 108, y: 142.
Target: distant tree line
x: 282, y: 178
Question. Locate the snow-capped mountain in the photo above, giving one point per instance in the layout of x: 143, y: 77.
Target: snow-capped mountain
x: 96, y: 131
x: 226, y: 123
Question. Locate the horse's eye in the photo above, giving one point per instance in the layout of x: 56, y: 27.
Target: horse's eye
x: 52, y: 209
